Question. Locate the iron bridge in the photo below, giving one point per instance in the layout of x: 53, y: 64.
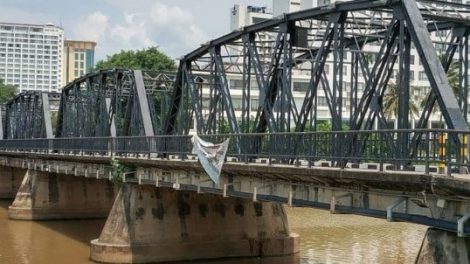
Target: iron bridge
x: 357, y: 56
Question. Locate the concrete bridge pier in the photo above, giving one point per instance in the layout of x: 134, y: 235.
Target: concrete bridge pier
x: 10, y: 181
x: 443, y: 247
x: 149, y: 224
x: 47, y: 195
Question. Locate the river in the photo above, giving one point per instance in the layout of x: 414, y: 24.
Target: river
x: 325, y: 238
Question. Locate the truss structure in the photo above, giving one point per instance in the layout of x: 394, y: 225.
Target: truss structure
x: 373, y: 39
x: 354, y: 54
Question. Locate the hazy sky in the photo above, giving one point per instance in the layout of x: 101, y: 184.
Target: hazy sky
x: 176, y: 26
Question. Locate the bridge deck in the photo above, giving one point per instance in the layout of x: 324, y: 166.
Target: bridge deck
x: 457, y: 185
x: 389, y: 185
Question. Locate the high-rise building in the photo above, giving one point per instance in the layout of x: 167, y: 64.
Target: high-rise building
x: 285, y: 6
x: 246, y: 15
x: 31, y: 56
x: 79, y: 59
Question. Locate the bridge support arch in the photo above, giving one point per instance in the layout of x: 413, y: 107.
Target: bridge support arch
x: 45, y: 195
x: 10, y: 181
x: 443, y: 247
x: 160, y: 225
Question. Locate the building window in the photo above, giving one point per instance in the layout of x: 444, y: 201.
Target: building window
x: 254, y: 104
x: 423, y: 76
x: 236, y: 84
x: 301, y: 86
x: 322, y: 101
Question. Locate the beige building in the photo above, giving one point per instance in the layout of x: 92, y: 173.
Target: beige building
x: 79, y: 59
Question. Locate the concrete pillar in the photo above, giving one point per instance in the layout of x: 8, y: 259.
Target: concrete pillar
x: 443, y: 247
x: 149, y: 224
x: 44, y: 196
x: 10, y: 181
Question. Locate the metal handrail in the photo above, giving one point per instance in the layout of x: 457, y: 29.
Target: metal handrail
x: 293, y: 148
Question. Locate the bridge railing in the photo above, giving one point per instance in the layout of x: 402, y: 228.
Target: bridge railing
x: 430, y: 150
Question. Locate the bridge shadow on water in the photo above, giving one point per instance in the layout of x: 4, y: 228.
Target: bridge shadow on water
x: 4, y: 203
x: 292, y: 259
x: 56, y: 241
x: 81, y: 231
x: 44, y: 242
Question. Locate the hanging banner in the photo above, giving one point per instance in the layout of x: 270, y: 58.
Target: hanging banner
x: 211, y: 156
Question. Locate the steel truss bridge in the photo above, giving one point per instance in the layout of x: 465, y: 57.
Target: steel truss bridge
x: 352, y: 52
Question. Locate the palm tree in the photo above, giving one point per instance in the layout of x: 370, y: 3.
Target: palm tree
x: 390, y: 102
x: 452, y: 77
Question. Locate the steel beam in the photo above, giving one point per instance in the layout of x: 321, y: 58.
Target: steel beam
x: 143, y: 104
x: 1, y: 122
x: 46, y: 115
x: 433, y: 67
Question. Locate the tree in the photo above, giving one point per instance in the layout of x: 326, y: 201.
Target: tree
x: 390, y: 102
x: 452, y: 77
x: 145, y: 59
x: 7, y: 92
x: 54, y: 118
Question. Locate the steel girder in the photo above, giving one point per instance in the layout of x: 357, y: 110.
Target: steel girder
x: 28, y: 116
x: 368, y: 44
x: 115, y: 102
x: 244, y: 82
x: 2, y: 112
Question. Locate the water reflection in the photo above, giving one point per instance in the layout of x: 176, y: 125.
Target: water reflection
x: 325, y: 238
x: 31, y: 242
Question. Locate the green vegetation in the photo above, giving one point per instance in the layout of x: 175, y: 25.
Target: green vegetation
x: 54, y: 117
x: 7, y: 92
x: 390, y: 102
x: 452, y: 77
x: 223, y: 127
x: 118, y: 169
x: 145, y: 59
x: 324, y: 126
x: 390, y: 99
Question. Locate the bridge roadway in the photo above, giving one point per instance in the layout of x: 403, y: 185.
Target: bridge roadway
x: 371, y: 191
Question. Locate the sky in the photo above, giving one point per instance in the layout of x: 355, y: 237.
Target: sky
x: 175, y: 26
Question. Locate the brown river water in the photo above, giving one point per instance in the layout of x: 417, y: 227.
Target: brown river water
x: 325, y: 238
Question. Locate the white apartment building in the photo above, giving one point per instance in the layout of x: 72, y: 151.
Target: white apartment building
x: 31, y: 56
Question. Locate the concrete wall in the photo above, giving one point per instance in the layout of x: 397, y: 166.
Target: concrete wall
x: 149, y: 224
x: 442, y: 247
x: 10, y: 181
x: 45, y: 195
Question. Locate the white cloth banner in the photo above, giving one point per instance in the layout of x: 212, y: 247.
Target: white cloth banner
x: 211, y: 156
